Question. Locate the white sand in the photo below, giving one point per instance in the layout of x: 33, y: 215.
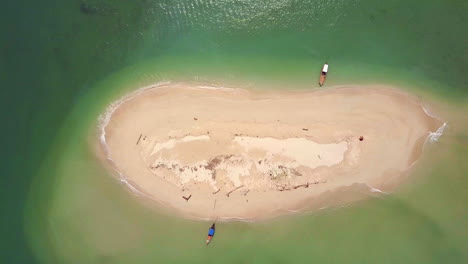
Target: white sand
x: 241, y: 154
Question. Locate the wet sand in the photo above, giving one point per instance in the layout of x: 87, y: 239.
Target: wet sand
x: 233, y: 153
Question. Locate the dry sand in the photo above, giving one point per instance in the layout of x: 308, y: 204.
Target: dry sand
x: 234, y: 153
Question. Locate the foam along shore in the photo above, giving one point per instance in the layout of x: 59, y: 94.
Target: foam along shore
x: 233, y: 153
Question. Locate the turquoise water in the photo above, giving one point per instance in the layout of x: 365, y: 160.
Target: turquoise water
x: 63, y: 62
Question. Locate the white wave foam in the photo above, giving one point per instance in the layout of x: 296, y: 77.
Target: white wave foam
x: 434, y: 136
x: 135, y: 190
x: 105, y: 118
x: 375, y: 190
x: 429, y: 113
x: 104, y: 121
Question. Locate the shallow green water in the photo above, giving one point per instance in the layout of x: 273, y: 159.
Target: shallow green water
x: 62, y: 62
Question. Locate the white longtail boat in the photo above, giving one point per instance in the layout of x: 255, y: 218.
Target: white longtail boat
x: 323, y: 74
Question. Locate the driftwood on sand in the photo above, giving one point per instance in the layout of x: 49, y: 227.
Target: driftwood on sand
x: 306, y: 185
x: 288, y: 187
x: 139, y: 139
x: 237, y: 188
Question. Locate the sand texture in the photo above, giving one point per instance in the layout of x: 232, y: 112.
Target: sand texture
x: 233, y: 153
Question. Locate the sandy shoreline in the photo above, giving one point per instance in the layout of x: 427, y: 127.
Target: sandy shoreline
x: 232, y: 153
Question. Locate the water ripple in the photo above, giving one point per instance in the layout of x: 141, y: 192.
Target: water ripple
x: 247, y: 15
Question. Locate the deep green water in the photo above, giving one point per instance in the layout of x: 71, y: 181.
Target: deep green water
x: 63, y: 62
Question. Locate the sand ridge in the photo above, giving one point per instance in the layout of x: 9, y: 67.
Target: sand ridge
x: 234, y: 153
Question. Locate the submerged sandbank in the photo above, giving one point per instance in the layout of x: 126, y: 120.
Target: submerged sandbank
x: 233, y: 153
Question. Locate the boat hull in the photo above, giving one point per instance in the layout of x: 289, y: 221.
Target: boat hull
x: 322, y: 79
x: 208, y: 239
